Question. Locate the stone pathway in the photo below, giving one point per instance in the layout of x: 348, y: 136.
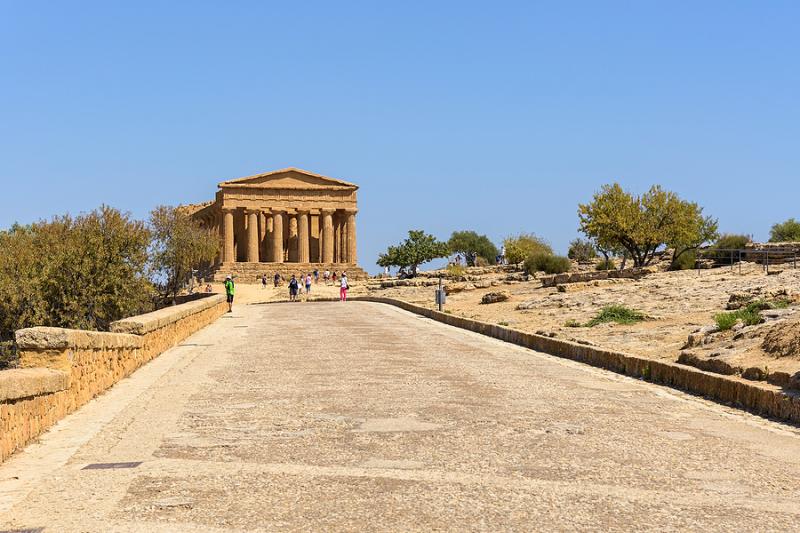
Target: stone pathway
x: 359, y: 416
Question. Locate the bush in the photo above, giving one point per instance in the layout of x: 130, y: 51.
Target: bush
x: 8, y: 354
x: 547, y: 263
x: 729, y: 241
x: 482, y: 262
x: 725, y: 321
x: 82, y: 273
x: 581, y: 250
x: 687, y: 261
x: 455, y: 271
x: 749, y: 315
x: 788, y: 231
x: 523, y: 246
x: 606, y: 264
x: 616, y: 313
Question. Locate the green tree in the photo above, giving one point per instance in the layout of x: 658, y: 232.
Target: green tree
x: 179, y: 246
x: 522, y: 246
x: 468, y: 243
x: 788, y: 231
x: 642, y: 224
x: 417, y: 249
x: 581, y: 250
x: 83, y: 272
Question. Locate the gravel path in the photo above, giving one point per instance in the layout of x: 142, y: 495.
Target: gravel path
x: 359, y: 416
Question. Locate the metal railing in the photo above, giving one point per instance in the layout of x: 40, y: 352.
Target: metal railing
x: 736, y: 256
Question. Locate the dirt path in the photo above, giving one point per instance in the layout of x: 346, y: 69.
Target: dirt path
x: 358, y: 416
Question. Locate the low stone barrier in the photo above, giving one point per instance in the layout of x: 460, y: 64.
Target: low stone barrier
x: 764, y: 400
x: 575, y: 277
x: 62, y: 369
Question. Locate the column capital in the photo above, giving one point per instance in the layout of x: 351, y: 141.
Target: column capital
x: 350, y: 210
x: 327, y: 211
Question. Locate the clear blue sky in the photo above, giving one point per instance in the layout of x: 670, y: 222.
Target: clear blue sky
x: 494, y: 116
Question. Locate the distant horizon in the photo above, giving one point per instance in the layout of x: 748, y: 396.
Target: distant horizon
x: 449, y: 116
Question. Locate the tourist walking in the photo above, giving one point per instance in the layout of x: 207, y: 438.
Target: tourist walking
x: 326, y: 276
x: 277, y: 279
x: 343, y: 288
x: 230, y: 288
x: 263, y: 281
x: 293, y: 289
x: 333, y: 277
x: 308, y: 284
x: 316, y: 275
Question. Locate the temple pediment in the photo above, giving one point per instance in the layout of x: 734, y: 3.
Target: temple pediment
x: 288, y: 178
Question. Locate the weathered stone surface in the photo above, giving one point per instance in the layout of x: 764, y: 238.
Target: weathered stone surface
x: 494, y: 297
x: 19, y: 383
x: 143, y: 324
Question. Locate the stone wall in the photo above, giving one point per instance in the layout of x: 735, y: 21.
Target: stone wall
x: 766, y: 400
x: 62, y: 369
x: 575, y: 277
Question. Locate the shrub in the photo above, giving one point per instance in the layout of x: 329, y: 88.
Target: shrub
x: 481, y: 262
x: 524, y: 245
x: 686, y: 261
x: 725, y: 321
x: 547, y: 263
x: 581, y: 250
x: 455, y: 271
x: 572, y: 323
x: 748, y: 315
x: 788, y: 231
x: 616, y: 313
x: 79, y: 272
x: 729, y: 241
x: 605, y: 264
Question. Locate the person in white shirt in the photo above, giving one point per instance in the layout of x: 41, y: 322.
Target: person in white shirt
x: 343, y: 288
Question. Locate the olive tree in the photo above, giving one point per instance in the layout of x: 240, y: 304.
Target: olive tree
x: 641, y: 225
x: 417, y: 249
x: 470, y: 244
x: 179, y: 246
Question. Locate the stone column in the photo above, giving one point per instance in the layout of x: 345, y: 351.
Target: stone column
x: 252, y: 236
x: 337, y: 238
x: 327, y: 239
x: 303, y: 247
x: 227, y: 237
x: 292, y: 239
x: 277, y: 237
x: 268, y: 238
x: 344, y: 256
x: 351, y: 237
x: 262, y: 236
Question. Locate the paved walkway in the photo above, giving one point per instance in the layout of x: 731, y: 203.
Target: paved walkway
x: 361, y: 417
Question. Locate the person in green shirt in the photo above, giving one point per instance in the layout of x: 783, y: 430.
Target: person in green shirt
x: 230, y: 288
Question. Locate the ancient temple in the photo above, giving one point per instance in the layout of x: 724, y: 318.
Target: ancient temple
x: 286, y: 221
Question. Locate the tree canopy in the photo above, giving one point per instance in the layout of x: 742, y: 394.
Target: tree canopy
x: 83, y: 272
x: 522, y: 246
x: 581, y: 250
x: 468, y: 243
x: 179, y: 245
x: 417, y: 249
x: 642, y: 224
x: 788, y: 231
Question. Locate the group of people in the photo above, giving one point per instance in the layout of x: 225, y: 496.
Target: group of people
x: 297, y: 282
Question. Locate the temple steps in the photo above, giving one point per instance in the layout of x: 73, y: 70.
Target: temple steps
x: 252, y: 272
